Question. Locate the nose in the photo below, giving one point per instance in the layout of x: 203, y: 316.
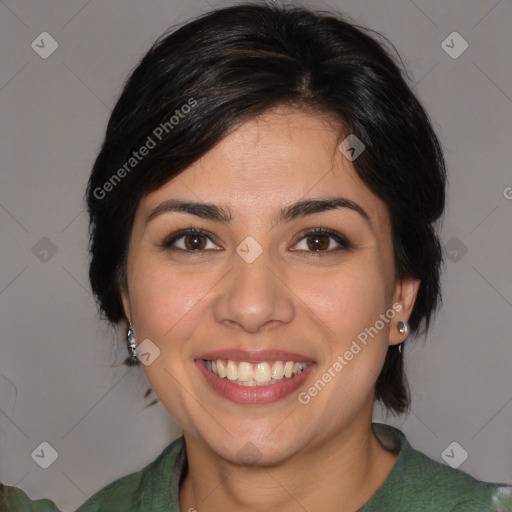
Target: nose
x: 254, y: 296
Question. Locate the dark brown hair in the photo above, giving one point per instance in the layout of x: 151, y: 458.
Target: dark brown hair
x: 234, y: 63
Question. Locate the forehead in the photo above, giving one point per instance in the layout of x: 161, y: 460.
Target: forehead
x: 268, y: 162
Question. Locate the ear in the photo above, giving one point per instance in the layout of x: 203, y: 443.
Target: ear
x: 125, y: 297
x: 404, y: 297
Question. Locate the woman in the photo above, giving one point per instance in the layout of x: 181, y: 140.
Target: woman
x: 263, y: 218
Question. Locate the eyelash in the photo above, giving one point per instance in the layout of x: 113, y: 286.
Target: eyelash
x: 338, y: 237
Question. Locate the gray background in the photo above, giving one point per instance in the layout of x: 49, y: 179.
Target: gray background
x: 57, y: 379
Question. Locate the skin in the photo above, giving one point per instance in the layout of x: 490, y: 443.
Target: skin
x: 321, y: 456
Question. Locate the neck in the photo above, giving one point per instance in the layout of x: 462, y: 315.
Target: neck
x: 342, y: 473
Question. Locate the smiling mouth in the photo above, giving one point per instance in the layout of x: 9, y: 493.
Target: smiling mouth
x: 262, y: 373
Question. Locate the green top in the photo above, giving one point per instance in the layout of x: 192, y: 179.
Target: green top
x: 415, y: 484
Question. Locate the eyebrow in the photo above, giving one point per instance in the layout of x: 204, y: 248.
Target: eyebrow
x: 293, y: 211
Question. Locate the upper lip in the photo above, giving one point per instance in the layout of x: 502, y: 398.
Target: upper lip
x: 255, y: 356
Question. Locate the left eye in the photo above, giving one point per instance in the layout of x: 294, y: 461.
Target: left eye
x: 320, y: 241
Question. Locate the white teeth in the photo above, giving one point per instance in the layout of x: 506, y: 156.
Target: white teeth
x: 221, y: 369
x: 231, y: 371
x: 260, y: 374
x: 277, y: 370
x: 245, y: 372
x: 288, y: 369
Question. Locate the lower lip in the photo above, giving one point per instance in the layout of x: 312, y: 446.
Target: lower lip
x: 253, y: 394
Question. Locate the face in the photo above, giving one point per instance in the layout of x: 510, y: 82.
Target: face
x: 260, y: 289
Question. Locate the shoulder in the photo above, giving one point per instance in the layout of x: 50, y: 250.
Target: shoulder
x: 146, y: 489
x: 13, y: 499
x: 120, y: 495
x: 453, y: 490
x: 151, y: 488
x: 418, y: 482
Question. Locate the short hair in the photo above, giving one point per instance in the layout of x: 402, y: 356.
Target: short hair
x: 202, y: 80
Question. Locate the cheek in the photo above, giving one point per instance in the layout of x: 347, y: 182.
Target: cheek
x: 349, y: 298
x: 169, y: 306
x: 350, y: 303
x: 167, y: 302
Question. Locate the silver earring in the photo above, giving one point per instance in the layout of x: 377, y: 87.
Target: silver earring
x: 132, y: 346
x: 402, y: 327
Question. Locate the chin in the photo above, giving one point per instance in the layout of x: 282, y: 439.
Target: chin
x: 254, y: 447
